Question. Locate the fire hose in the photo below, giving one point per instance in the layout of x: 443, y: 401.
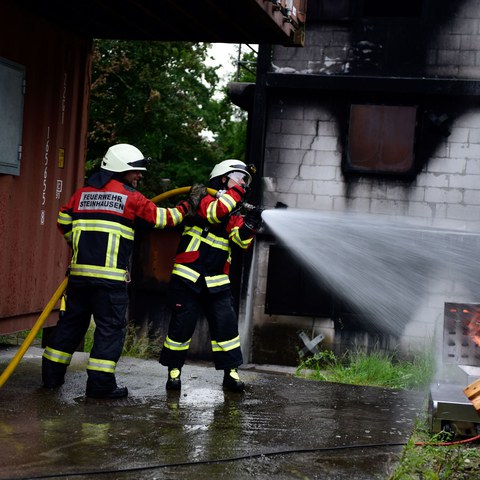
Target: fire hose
x: 61, y: 289
x: 446, y: 444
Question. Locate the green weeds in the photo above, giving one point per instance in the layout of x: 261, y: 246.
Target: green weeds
x: 375, y: 368
x: 137, y: 345
x: 436, y: 462
x: 19, y: 337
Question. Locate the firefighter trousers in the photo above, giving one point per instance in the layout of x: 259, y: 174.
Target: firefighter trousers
x: 187, y: 306
x: 108, y: 306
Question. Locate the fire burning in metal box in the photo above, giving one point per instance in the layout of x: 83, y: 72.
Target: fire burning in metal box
x: 451, y: 410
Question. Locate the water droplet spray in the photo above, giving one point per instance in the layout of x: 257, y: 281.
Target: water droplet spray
x: 385, y: 268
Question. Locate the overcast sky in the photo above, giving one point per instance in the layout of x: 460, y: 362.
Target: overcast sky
x: 222, y: 54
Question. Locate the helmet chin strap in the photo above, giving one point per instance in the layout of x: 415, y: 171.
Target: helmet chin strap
x: 121, y: 177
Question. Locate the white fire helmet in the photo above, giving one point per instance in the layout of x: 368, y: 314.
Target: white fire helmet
x: 123, y: 158
x: 228, y: 167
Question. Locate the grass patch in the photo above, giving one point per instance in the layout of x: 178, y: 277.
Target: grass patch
x: 435, y: 462
x: 19, y: 337
x: 136, y: 344
x: 375, y: 368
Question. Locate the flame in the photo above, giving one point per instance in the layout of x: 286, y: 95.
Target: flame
x: 474, y: 328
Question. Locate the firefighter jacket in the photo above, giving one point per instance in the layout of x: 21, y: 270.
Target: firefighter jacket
x: 99, y: 223
x: 205, y: 246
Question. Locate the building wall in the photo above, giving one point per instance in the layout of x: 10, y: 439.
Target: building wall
x: 304, y: 150
x: 33, y: 254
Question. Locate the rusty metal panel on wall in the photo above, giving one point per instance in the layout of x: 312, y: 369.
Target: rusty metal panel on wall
x: 33, y: 254
x: 381, y: 138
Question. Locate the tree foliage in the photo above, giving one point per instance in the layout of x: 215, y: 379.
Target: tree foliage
x: 159, y: 96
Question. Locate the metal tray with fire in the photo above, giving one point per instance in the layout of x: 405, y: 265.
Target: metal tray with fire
x: 450, y: 410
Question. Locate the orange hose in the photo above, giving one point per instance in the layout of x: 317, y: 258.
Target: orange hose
x: 446, y: 444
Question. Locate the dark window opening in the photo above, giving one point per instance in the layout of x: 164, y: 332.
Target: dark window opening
x: 292, y: 289
x: 393, y: 8
x: 11, y: 121
x: 381, y: 139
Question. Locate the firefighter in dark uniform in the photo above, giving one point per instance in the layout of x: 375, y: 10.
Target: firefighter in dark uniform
x: 98, y: 223
x: 200, y: 282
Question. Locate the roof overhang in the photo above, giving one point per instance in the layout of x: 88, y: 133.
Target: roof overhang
x: 222, y: 21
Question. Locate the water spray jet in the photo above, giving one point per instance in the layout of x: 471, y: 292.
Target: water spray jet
x: 399, y: 274
x: 384, y: 269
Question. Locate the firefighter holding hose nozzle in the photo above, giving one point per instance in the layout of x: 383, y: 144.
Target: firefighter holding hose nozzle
x: 200, y: 281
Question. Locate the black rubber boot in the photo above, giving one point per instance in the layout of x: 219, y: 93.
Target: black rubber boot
x: 232, y: 382
x: 51, y: 384
x: 53, y: 374
x: 174, y: 382
x: 119, y: 392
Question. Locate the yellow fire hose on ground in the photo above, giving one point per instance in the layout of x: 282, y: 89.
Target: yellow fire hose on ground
x: 59, y: 292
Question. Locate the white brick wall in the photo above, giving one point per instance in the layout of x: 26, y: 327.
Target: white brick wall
x: 304, y: 170
x: 303, y: 159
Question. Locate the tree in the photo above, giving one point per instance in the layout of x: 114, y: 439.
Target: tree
x: 159, y: 96
x: 156, y: 96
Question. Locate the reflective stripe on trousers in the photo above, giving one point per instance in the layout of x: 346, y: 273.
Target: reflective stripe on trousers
x: 169, y: 343
x: 226, y: 346
x: 99, y: 365
x: 57, y: 356
x: 187, y: 307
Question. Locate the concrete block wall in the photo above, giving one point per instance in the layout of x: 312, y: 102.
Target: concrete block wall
x: 303, y: 156
x: 454, y: 51
x: 444, y: 43
x: 303, y: 170
x: 328, y: 50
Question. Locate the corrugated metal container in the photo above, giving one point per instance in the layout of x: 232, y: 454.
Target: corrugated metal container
x: 33, y: 254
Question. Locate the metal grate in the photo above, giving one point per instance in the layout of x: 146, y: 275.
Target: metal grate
x: 460, y: 322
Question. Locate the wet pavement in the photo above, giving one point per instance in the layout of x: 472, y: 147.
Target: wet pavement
x: 281, y: 427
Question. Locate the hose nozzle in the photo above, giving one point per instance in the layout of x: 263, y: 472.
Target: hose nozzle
x: 249, y: 206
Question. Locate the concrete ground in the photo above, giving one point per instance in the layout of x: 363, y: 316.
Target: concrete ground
x: 281, y: 427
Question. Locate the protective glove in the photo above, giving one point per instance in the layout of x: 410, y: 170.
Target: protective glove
x: 197, y: 192
x: 253, y: 219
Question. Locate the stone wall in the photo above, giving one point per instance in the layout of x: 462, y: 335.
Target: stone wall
x: 303, y: 155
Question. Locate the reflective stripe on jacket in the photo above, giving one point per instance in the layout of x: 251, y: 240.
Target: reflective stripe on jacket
x: 99, y: 226
x: 205, y: 246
